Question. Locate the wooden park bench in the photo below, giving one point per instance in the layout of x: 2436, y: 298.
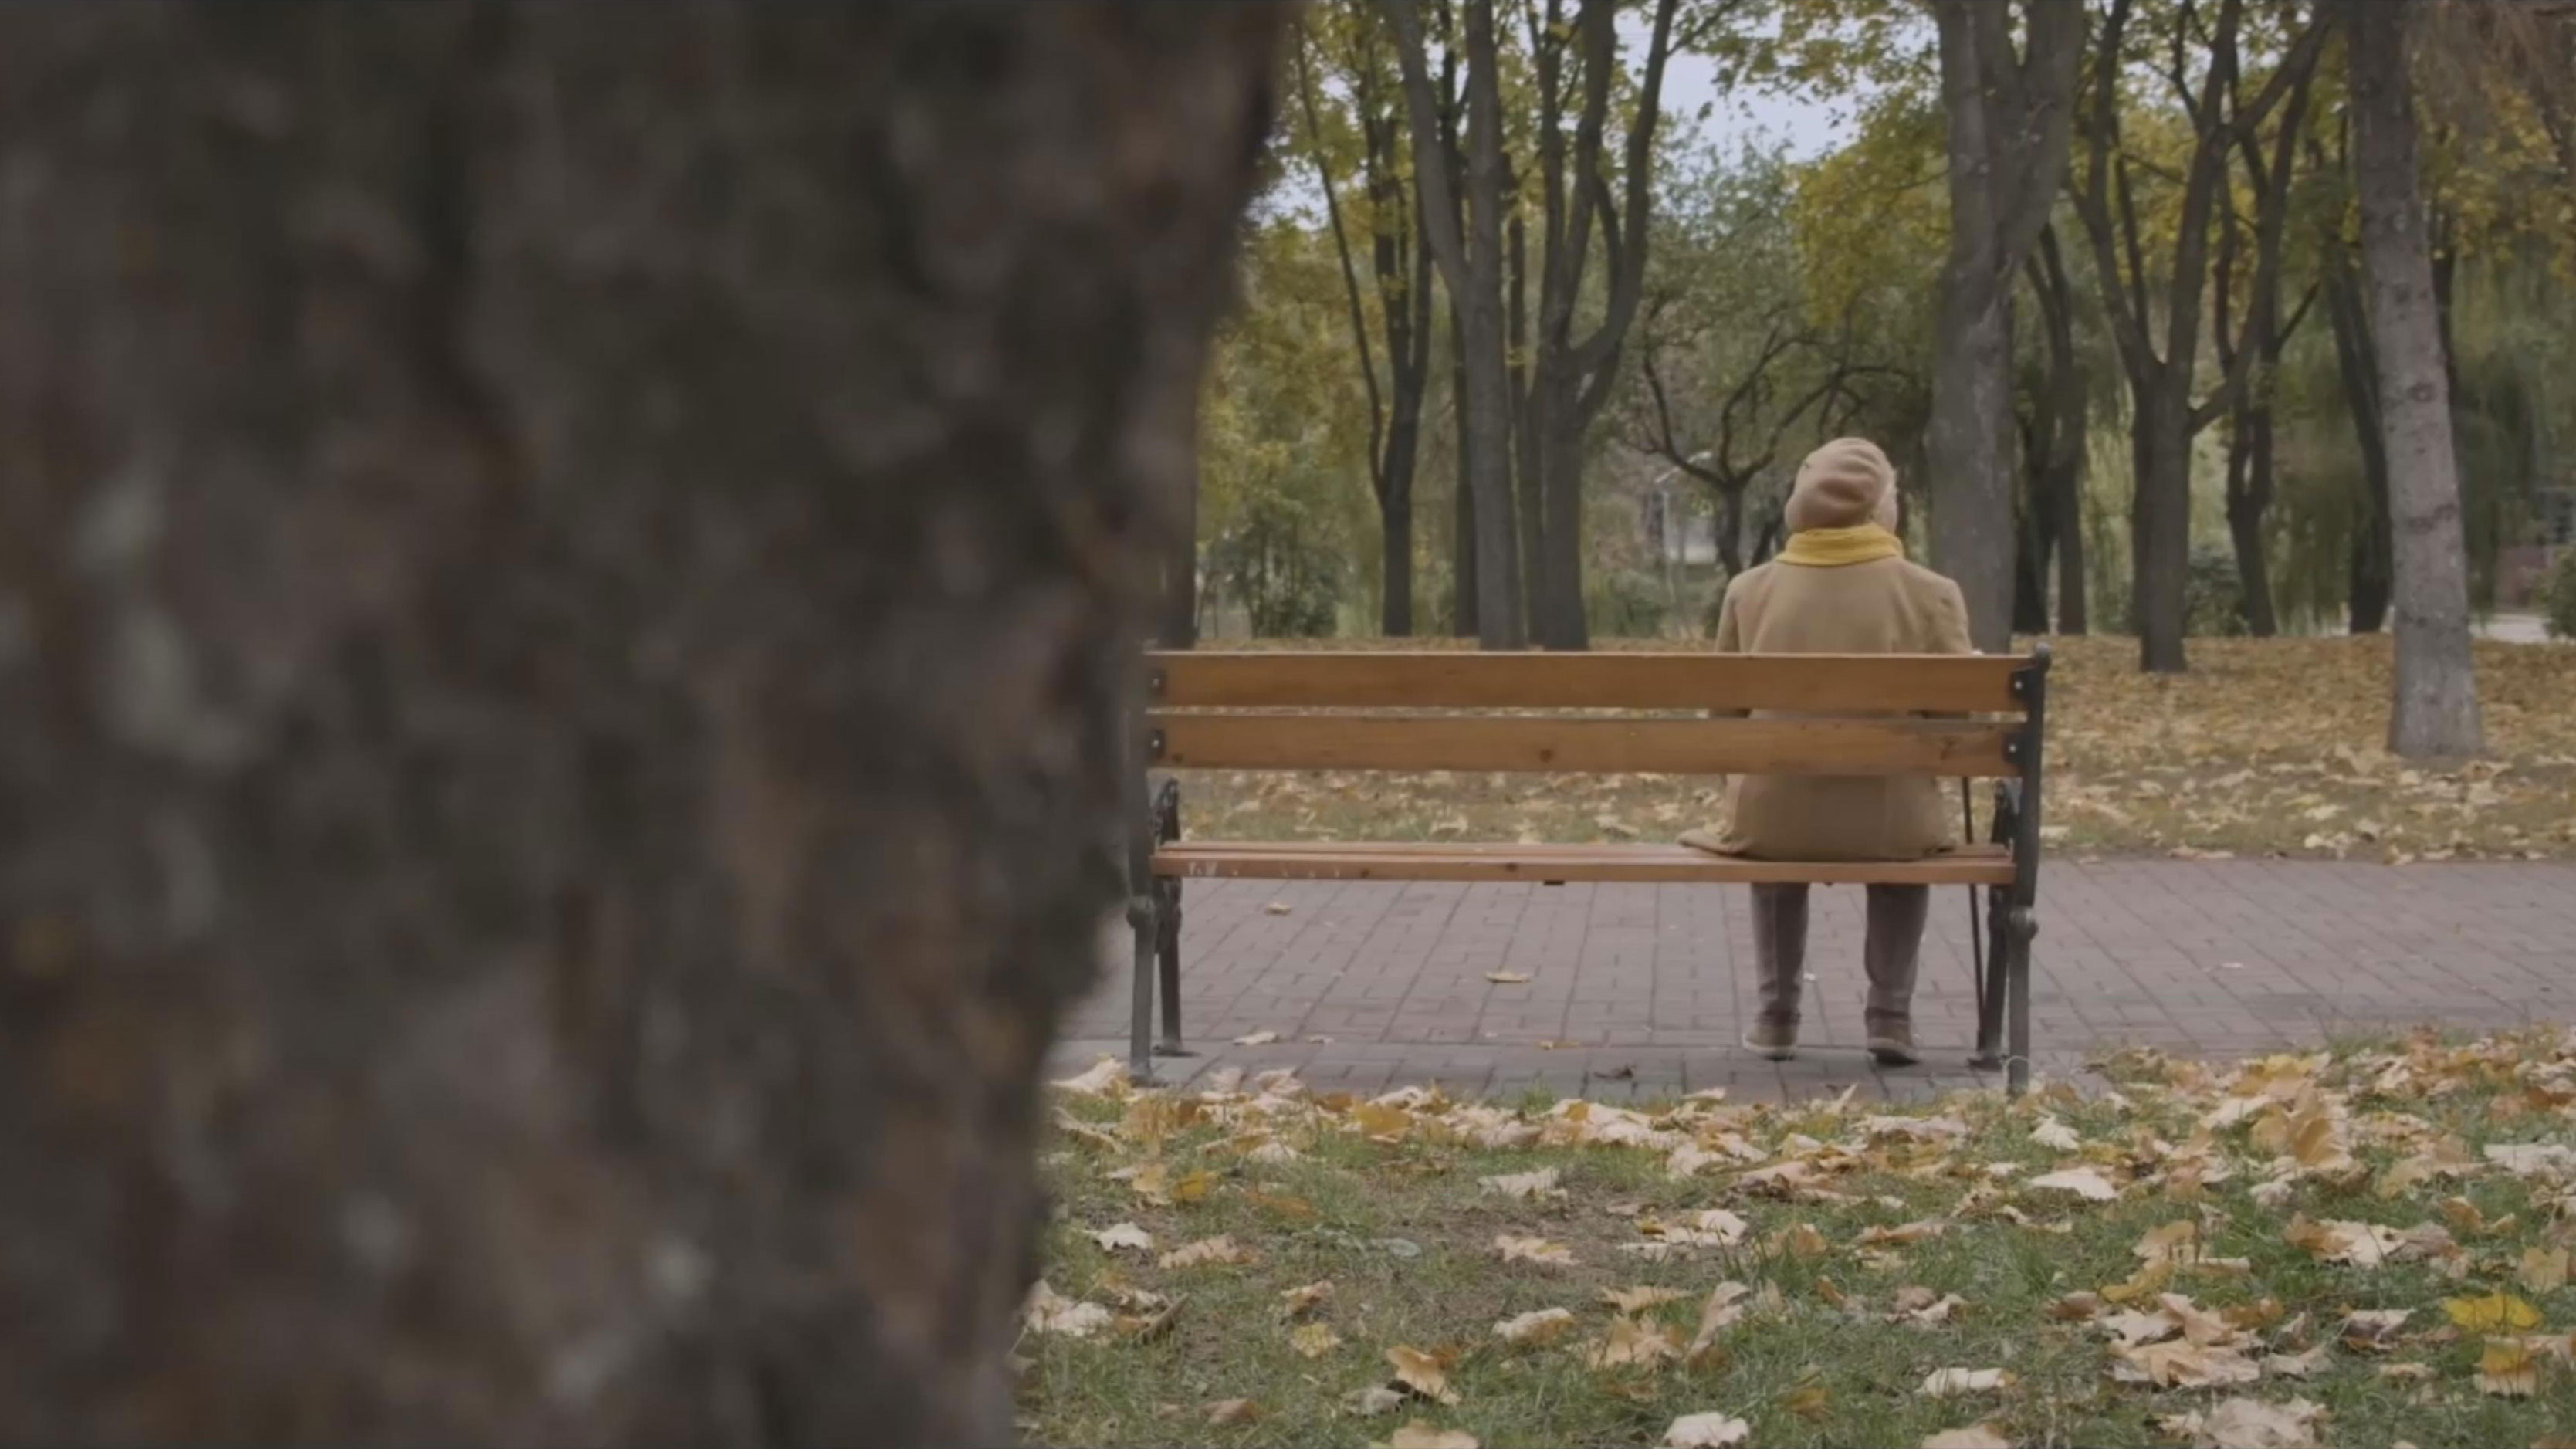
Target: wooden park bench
x: 1962, y: 716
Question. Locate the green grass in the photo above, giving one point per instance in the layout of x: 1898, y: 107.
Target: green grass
x: 1805, y: 1371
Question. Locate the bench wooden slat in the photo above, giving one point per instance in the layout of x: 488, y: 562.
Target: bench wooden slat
x: 1974, y: 748
x: 1484, y: 861
x: 1431, y: 679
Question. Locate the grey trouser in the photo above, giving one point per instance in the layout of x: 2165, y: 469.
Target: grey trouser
x: 1890, y: 952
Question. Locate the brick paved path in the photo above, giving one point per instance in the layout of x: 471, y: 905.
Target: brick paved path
x: 1644, y: 989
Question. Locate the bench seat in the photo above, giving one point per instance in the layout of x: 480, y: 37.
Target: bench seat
x: 1981, y: 864
x: 1962, y: 717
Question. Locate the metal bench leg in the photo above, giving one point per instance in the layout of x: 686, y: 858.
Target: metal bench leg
x: 2017, y: 1066
x: 1140, y: 1053
x: 1167, y: 948
x: 1990, y: 1001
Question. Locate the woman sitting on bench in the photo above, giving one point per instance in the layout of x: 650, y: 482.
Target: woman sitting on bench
x: 1842, y: 586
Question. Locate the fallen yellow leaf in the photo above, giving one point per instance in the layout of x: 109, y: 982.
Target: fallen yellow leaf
x: 2084, y: 1182
x: 1801, y: 1240
x: 2374, y: 1330
x: 2508, y: 1370
x: 1295, y: 1301
x: 1720, y: 1312
x: 1231, y: 1411
x: 1526, y: 1186
x: 2497, y: 1312
x: 1638, y: 1300
x: 1220, y: 1249
x: 2544, y: 1270
x: 1950, y: 1383
x: 1808, y: 1401
x: 1903, y: 1235
x: 1123, y: 1235
x: 1314, y: 1340
x: 2181, y: 1365
x: 1630, y: 1342
x: 2366, y: 1245
x: 1538, y: 1251
x: 1423, y: 1373
x: 1536, y: 1328
x: 1047, y: 1311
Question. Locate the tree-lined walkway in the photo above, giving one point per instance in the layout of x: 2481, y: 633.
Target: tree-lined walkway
x: 1645, y: 989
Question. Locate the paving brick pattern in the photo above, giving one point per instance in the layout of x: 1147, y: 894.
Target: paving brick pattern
x: 1643, y: 990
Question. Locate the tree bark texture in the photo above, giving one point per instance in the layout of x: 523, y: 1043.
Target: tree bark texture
x: 2009, y: 121
x: 568, y: 595
x: 2357, y: 364
x: 2435, y: 708
x: 1462, y: 615
x: 2062, y: 453
x: 1466, y: 241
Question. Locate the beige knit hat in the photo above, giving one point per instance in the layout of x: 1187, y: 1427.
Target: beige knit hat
x: 1844, y: 484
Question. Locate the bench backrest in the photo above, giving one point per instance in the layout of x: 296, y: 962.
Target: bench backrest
x: 1362, y: 710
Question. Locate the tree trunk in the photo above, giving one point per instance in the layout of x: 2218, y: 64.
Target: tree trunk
x: 1467, y: 241
x: 2007, y: 137
x: 1529, y: 505
x: 1730, y: 530
x: 1179, y: 627
x: 559, y: 780
x: 2160, y: 529
x: 2060, y: 479
x: 1972, y: 536
x: 1180, y: 612
x: 1395, y: 525
x: 2074, y: 608
x: 2355, y: 363
x: 2249, y: 495
x: 2030, y: 571
x: 1462, y: 568
x: 1571, y: 376
x: 1560, y: 621
x: 2434, y: 711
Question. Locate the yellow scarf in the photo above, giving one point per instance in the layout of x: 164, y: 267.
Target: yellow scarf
x: 1831, y: 548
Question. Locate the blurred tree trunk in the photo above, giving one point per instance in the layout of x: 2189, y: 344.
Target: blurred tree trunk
x: 2009, y: 121
x: 569, y: 589
x: 2434, y: 711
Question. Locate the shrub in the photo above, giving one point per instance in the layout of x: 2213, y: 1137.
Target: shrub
x: 2213, y: 595
x: 1625, y: 604
x: 2558, y: 595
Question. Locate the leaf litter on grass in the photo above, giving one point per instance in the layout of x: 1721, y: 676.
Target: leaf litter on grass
x: 2338, y: 1222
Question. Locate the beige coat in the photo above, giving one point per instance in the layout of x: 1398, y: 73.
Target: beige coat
x: 1886, y: 606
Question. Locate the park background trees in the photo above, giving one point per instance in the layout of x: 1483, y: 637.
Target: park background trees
x: 2102, y: 285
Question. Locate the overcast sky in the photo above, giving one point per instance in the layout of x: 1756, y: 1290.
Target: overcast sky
x: 1809, y: 128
